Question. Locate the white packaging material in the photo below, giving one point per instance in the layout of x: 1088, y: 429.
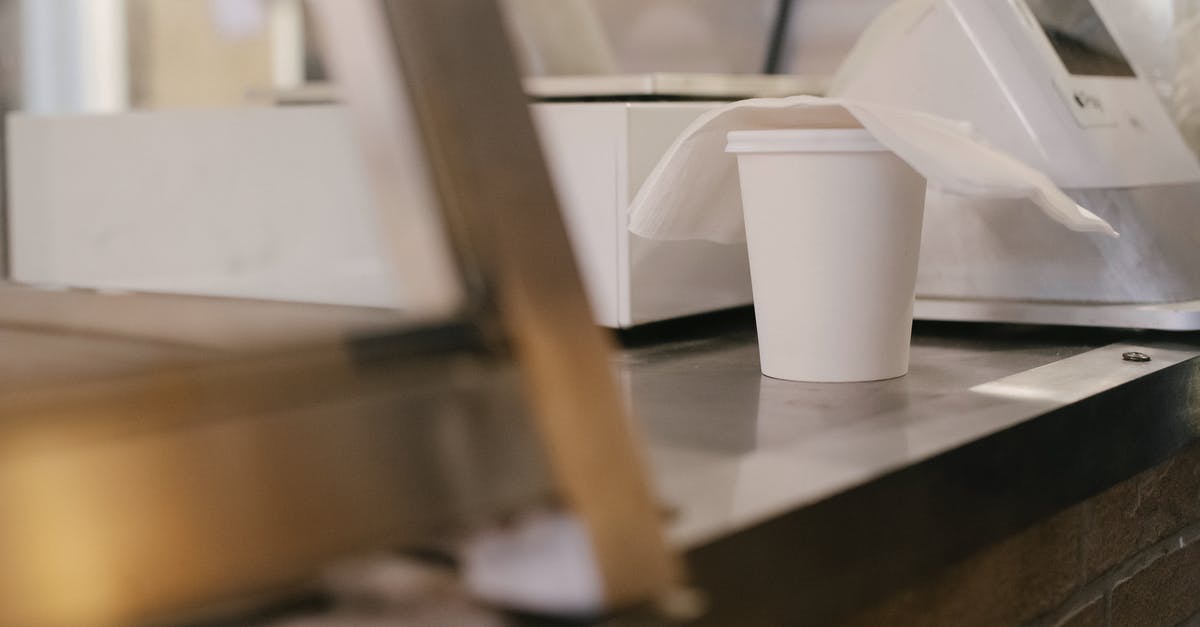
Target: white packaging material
x: 833, y: 260
x: 833, y: 208
x: 693, y: 192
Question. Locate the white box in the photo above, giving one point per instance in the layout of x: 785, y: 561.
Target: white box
x: 273, y: 204
x: 599, y: 155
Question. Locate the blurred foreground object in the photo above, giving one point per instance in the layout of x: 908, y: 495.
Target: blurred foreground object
x: 234, y: 472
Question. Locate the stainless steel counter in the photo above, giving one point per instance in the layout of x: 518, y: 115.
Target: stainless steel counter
x: 813, y: 497
x: 732, y: 448
x: 811, y: 500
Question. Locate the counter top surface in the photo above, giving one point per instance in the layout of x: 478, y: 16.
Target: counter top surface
x: 795, y: 499
x: 845, y: 489
x: 811, y: 499
x: 731, y: 447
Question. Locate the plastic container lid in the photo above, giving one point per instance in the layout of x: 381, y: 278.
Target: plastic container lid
x: 804, y: 140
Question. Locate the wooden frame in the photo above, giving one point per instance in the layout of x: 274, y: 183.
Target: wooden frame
x: 235, y: 462
x: 462, y: 82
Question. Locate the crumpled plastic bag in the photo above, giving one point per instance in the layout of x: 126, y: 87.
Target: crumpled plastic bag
x: 693, y: 192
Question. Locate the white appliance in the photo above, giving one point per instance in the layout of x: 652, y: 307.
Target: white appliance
x: 272, y: 203
x: 1046, y: 81
x: 599, y: 155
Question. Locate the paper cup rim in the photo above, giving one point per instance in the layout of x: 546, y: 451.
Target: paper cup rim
x: 803, y: 140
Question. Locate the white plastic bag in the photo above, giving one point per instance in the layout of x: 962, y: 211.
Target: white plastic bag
x: 693, y: 192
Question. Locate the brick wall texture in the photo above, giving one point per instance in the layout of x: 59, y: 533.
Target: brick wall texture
x: 1128, y: 557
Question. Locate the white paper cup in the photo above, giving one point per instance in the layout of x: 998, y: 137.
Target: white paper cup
x: 833, y: 223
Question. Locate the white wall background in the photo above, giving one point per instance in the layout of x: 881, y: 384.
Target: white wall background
x: 730, y: 35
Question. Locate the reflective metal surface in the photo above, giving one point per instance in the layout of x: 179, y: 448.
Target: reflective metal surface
x: 733, y: 447
x: 807, y: 500
x: 1183, y: 316
x: 1003, y: 251
x: 797, y: 503
x: 996, y: 261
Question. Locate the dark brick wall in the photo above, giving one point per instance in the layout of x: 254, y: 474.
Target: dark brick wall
x: 1128, y: 557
